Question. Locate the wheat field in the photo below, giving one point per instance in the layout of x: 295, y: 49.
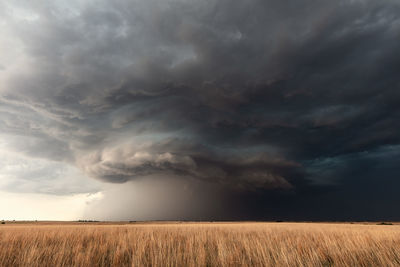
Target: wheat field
x: 200, y: 244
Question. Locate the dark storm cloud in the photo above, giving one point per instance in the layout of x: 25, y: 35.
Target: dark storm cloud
x: 252, y: 94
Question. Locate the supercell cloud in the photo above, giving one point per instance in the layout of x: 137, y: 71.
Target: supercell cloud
x: 279, y: 104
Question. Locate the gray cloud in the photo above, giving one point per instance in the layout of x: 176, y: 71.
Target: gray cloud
x: 22, y: 174
x: 247, y: 94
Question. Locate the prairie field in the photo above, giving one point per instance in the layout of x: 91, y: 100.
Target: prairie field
x: 199, y: 244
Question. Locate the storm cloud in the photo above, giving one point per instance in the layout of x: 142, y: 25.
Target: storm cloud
x: 275, y: 101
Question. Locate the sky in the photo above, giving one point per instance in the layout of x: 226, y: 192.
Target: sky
x: 199, y: 110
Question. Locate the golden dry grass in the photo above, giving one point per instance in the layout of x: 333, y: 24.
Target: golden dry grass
x: 200, y: 244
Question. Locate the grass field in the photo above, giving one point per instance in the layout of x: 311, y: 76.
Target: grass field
x: 199, y: 244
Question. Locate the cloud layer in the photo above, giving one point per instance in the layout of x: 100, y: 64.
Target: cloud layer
x: 252, y: 95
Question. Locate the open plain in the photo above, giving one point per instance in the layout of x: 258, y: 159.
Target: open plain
x: 199, y: 244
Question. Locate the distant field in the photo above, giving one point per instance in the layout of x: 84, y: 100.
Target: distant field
x: 199, y: 244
